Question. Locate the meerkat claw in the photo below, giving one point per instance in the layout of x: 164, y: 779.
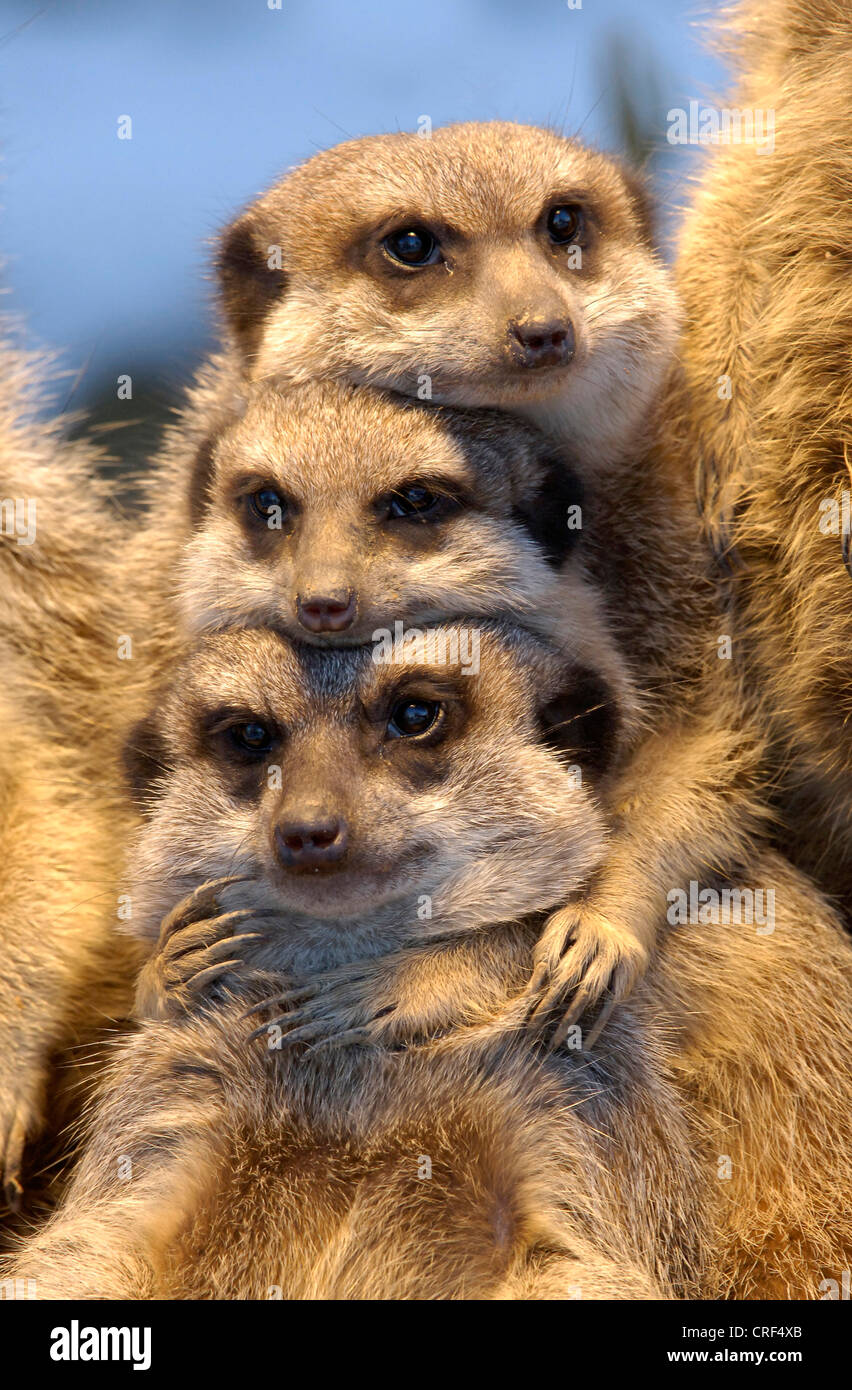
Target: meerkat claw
x: 287, y: 996
x: 599, y: 1023
x: 349, y: 1037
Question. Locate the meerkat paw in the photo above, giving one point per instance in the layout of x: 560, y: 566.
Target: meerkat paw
x: 340, y: 1008
x: 582, y: 962
x: 197, y: 953
x: 22, y: 1116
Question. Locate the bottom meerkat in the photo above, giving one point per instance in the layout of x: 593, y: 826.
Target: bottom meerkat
x: 418, y: 825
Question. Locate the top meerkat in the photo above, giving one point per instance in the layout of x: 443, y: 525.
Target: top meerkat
x: 492, y: 264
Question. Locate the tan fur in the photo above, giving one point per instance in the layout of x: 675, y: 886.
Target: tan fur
x: 760, y: 1044
x: 340, y: 307
x: 419, y: 812
x: 638, y: 570
x: 66, y: 975
x: 311, y: 1158
x: 764, y: 273
x: 226, y: 1165
x: 484, y: 554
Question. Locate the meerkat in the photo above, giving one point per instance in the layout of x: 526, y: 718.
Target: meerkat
x: 334, y: 512
x: 417, y: 811
x: 699, y: 1152
x: 492, y: 264
x: 763, y: 1084
x: 766, y: 349
x: 405, y: 514
x: 66, y: 977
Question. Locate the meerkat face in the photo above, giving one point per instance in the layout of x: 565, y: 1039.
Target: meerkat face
x: 354, y: 782
x: 488, y: 265
x: 330, y: 512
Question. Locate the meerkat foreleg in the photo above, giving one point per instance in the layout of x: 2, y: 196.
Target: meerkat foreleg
x: 683, y: 807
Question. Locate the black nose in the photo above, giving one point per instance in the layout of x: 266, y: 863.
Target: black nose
x: 311, y: 843
x: 328, y: 613
x: 534, y: 343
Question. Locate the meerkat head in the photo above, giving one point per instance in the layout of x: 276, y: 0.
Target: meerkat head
x: 329, y: 512
x: 491, y: 265
x: 444, y: 781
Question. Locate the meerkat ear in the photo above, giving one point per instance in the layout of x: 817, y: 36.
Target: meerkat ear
x: 643, y: 204
x: 583, y: 722
x: 145, y: 758
x: 553, y: 517
x: 251, y: 277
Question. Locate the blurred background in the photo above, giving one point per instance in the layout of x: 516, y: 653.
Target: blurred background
x: 105, y: 242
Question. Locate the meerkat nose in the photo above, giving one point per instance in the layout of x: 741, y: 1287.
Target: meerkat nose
x: 326, y: 613
x: 311, y: 842
x: 536, y: 343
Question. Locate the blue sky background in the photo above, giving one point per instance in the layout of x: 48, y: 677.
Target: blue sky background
x: 105, y: 241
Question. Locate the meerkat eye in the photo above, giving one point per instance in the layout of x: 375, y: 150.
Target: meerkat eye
x: 412, y: 246
x: 415, y: 500
x: 268, y: 504
x: 413, y: 718
x: 564, y: 223
x: 252, y: 737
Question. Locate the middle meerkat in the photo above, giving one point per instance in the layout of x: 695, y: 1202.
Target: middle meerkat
x: 339, y: 511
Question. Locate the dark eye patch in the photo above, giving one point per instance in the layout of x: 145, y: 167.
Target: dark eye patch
x: 253, y: 737
x: 422, y: 499
x: 145, y: 758
x: 583, y: 722
x: 201, y: 479
x: 414, y: 501
x: 240, y: 734
x: 267, y: 504
x: 419, y: 502
x: 545, y: 517
x: 565, y: 223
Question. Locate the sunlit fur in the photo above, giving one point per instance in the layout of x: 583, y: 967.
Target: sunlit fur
x: 764, y: 272
x: 690, y: 792
x: 346, y: 311
x: 633, y: 595
x: 312, y: 1166
x: 422, y: 820
x: 334, y: 452
x: 332, y: 305
x: 221, y: 1166
x: 65, y: 975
